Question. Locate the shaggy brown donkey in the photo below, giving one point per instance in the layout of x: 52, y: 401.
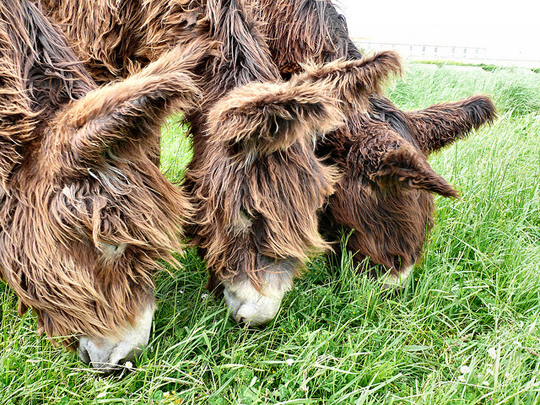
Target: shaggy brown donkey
x: 395, y: 173
x: 84, y: 213
x: 255, y: 181
x: 383, y: 199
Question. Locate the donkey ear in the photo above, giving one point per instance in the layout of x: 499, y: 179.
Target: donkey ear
x: 274, y: 115
x: 406, y: 166
x: 442, y: 124
x: 130, y: 110
x: 354, y: 81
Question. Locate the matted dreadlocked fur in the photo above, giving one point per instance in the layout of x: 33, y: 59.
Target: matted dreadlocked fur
x: 256, y: 197
x: 84, y: 213
x: 384, y: 181
x: 255, y: 180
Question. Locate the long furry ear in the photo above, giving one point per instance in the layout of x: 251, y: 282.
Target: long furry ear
x: 274, y: 115
x: 382, y: 156
x: 131, y: 110
x: 407, y: 167
x: 442, y: 124
x: 354, y: 81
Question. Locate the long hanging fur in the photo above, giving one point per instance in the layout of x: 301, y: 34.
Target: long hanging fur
x: 271, y: 38
x: 255, y: 181
x: 243, y: 58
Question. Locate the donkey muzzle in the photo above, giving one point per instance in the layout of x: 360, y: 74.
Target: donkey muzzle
x: 109, y: 354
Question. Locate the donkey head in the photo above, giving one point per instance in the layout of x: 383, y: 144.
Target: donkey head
x: 386, y: 193
x: 84, y: 211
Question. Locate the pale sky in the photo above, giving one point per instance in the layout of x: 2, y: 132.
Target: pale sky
x: 506, y: 30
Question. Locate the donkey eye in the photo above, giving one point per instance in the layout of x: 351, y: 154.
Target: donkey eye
x: 110, y: 250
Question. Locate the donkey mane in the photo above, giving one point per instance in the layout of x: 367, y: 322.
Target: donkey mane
x: 307, y: 29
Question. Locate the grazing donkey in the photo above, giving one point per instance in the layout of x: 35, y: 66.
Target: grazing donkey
x: 383, y: 199
x: 84, y: 212
x: 255, y: 223
x: 255, y: 181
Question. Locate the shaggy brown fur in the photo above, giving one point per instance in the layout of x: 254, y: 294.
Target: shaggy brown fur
x: 266, y: 38
x: 298, y: 31
x: 255, y: 180
x: 390, y: 209
x: 118, y: 38
x: 84, y: 213
x: 263, y: 139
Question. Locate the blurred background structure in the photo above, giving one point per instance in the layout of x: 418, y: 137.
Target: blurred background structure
x: 505, y: 33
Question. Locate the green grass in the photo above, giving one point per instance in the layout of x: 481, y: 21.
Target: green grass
x: 473, y: 303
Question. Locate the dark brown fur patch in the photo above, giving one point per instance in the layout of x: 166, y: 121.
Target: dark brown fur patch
x: 383, y: 199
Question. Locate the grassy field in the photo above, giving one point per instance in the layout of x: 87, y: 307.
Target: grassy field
x: 466, y: 330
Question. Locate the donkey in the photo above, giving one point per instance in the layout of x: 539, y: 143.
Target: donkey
x: 255, y: 181
x: 383, y: 182
x: 85, y: 214
x: 383, y: 199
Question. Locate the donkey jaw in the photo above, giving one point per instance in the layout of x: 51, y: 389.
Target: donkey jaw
x: 107, y: 354
x: 253, y: 308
